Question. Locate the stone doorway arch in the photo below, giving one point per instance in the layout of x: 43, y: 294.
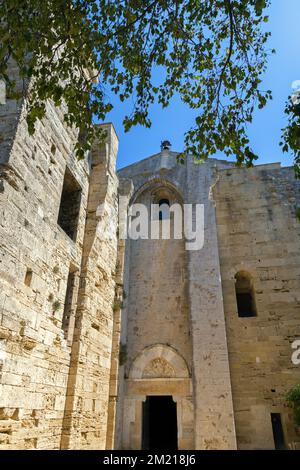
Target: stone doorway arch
x: 159, y: 361
x: 158, y: 370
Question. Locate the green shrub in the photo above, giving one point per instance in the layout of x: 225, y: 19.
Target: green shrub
x: 56, y: 305
x: 293, y: 400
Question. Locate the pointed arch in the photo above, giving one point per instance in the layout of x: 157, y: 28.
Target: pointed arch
x: 158, y: 186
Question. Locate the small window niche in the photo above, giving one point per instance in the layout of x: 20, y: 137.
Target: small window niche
x: 278, y: 433
x: 69, y: 205
x: 245, y: 298
x: 164, y: 209
x: 68, y: 320
x: 28, y: 277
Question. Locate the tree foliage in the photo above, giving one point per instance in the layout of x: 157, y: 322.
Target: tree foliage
x: 211, y: 52
x: 291, y: 133
x: 293, y: 400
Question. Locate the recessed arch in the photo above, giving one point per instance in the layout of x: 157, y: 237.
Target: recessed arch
x: 158, y: 186
x: 173, y: 364
x: 245, y: 297
x: 241, y: 267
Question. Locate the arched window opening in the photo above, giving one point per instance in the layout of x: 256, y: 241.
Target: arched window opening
x: 164, y: 209
x: 245, y: 295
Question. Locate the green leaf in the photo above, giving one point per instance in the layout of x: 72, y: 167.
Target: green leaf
x: 215, y: 69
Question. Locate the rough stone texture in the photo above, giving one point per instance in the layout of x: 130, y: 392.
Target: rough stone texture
x: 240, y: 368
x: 175, y: 299
x: 258, y: 233
x: 54, y: 386
x: 86, y: 410
x: 117, y: 361
x: 91, y: 326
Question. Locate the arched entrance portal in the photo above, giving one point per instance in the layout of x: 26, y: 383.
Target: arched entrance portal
x: 158, y: 405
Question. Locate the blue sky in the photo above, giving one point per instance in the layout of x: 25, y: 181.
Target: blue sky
x: 265, y: 131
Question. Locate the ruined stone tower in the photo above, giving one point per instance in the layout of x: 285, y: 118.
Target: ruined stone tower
x: 57, y: 269
x: 208, y: 333
x: 119, y: 343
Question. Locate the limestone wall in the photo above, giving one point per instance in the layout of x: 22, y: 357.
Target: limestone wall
x: 195, y: 327
x: 113, y: 434
x: 156, y: 310
x: 86, y: 411
x: 157, y: 298
x: 9, y: 115
x: 34, y: 353
x: 156, y: 306
x: 258, y: 233
x: 87, y: 333
x: 214, y: 420
x: 36, y: 258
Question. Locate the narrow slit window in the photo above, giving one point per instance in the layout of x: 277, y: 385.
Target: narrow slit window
x: 28, y: 277
x: 68, y: 319
x: 245, y: 295
x: 278, y: 433
x: 164, y: 209
x: 69, y: 205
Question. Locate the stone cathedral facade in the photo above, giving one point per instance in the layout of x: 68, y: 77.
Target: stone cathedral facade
x: 112, y: 343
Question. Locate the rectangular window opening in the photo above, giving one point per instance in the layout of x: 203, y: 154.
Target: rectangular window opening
x: 245, y: 304
x: 28, y: 277
x: 278, y: 433
x: 68, y: 320
x: 69, y: 205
